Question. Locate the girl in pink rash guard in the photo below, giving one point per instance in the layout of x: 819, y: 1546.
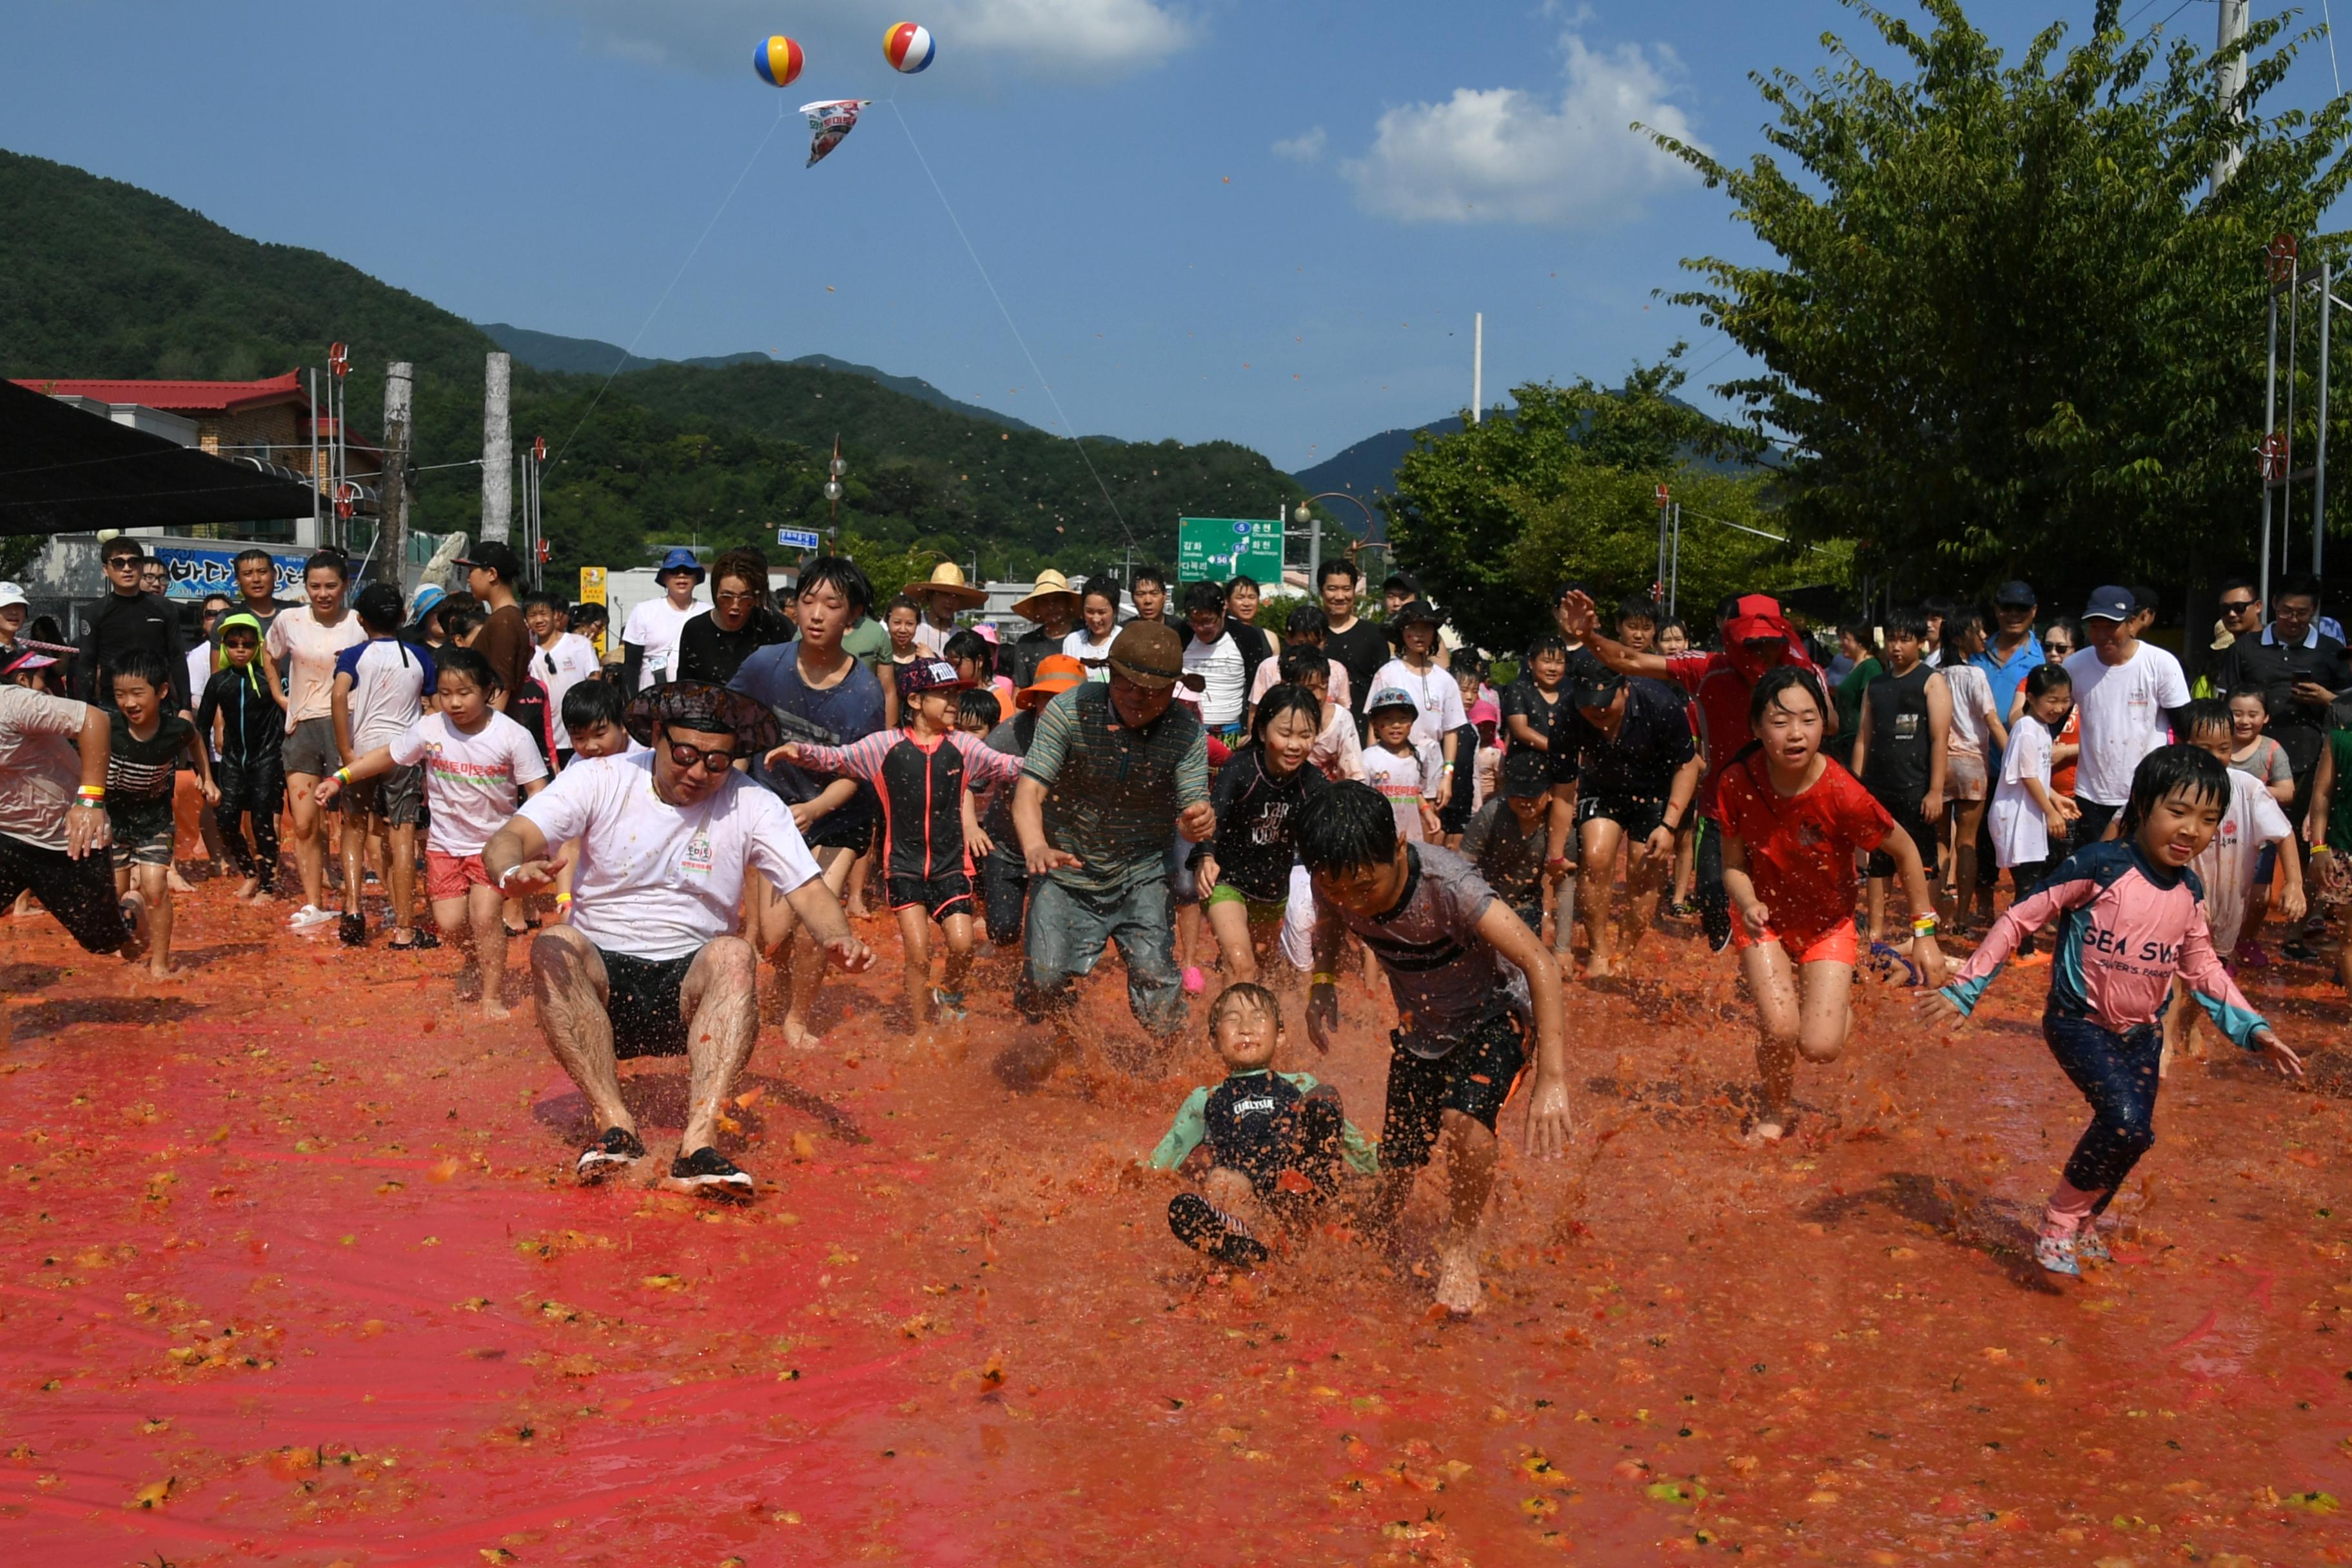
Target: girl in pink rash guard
x: 2131, y: 915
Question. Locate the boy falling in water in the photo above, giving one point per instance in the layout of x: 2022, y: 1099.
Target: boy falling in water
x: 1469, y: 979
x: 141, y: 758
x: 1277, y: 1142
x: 921, y: 774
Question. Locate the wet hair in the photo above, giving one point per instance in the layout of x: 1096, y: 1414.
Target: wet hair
x: 1939, y: 606
x: 1777, y: 680
x: 2042, y: 678
x: 843, y: 576
x: 1674, y: 623
x: 969, y: 644
x: 1909, y: 620
x: 745, y: 564
x: 1306, y: 621
x: 139, y: 663
x: 1204, y: 596
x: 1350, y: 826
x: 245, y: 556
x: 1468, y: 665
x: 978, y: 707
x: 461, y: 620
x: 1147, y: 573
x: 1299, y: 663
x: 588, y: 614
x: 593, y: 702
x: 221, y: 599
x: 1244, y: 994
x: 378, y: 607
x: 1637, y: 607
x: 2248, y: 693
x: 1337, y: 566
x: 2203, y: 713
x: 1728, y: 610
x: 329, y: 561
x: 1544, y: 643
x: 468, y: 664
x: 1960, y: 620
x: 1242, y: 580
x: 2199, y: 772
x: 1280, y: 700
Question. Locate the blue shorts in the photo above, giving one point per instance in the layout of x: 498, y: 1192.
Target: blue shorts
x: 2265, y: 865
x: 1065, y: 937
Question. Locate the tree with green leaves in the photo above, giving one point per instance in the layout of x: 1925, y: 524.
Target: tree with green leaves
x: 2006, y: 331
x: 1561, y: 487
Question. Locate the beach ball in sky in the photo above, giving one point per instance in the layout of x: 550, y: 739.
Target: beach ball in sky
x: 778, y: 61
x: 908, y: 48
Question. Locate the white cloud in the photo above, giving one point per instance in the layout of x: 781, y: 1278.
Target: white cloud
x: 1059, y: 37
x: 1304, y: 148
x: 1502, y: 155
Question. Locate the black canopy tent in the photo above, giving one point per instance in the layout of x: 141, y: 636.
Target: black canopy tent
x: 66, y: 470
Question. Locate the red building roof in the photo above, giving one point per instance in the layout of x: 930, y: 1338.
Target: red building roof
x: 178, y: 397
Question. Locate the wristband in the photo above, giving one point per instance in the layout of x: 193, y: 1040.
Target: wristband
x: 1560, y: 861
x: 1449, y: 767
x: 1924, y: 926
x: 1322, y: 977
x: 562, y: 900
x: 507, y: 873
x: 92, y: 792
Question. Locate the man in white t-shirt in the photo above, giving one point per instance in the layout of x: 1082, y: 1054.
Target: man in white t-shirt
x: 1215, y: 654
x: 648, y: 964
x: 649, y: 640
x: 2127, y: 694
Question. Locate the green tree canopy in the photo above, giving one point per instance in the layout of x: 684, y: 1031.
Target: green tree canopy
x: 2007, y: 331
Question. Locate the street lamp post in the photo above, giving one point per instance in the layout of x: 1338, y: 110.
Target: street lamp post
x: 1300, y: 515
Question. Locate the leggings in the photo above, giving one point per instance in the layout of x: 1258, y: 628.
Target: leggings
x: 2117, y: 1074
x: 256, y: 787
x: 1706, y: 884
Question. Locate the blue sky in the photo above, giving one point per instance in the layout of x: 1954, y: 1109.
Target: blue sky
x: 1267, y: 222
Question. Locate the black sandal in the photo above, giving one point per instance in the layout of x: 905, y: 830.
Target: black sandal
x: 419, y: 940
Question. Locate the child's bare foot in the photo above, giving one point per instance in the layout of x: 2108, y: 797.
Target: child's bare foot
x: 469, y: 984
x: 1600, y: 966
x: 492, y: 1007
x: 798, y: 1037
x: 1770, y: 1126
x: 1459, y: 1290
x: 247, y: 890
x: 180, y: 884
x: 160, y: 967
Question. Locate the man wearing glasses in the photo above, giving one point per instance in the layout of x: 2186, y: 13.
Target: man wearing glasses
x: 128, y: 617
x: 649, y: 963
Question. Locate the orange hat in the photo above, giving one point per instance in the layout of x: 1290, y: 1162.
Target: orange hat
x: 1056, y: 673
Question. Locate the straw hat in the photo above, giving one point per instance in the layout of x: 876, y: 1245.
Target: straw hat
x: 947, y: 583
x: 1049, y: 583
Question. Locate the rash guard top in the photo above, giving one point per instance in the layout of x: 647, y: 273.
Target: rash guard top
x: 921, y: 784
x: 2125, y: 928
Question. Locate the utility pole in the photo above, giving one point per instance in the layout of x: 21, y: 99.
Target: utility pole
x: 392, y: 524
x: 498, y: 449
x: 2319, y: 461
x: 1477, y: 366
x: 2229, y: 86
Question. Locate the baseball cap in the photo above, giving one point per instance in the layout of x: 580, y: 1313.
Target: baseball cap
x: 496, y: 555
x: 13, y: 594
x: 1148, y: 654
x: 930, y: 675
x: 2109, y: 603
x: 2013, y: 594
x: 1525, y: 772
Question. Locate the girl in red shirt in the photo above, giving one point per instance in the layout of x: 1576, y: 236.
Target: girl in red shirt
x: 1793, y: 822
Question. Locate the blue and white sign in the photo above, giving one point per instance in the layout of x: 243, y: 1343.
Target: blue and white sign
x: 798, y: 538
x: 196, y: 573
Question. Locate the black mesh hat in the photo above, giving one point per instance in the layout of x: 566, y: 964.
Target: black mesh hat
x: 701, y: 705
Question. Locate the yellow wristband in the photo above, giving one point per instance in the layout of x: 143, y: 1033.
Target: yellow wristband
x: 1322, y: 977
x: 562, y: 899
x: 343, y: 775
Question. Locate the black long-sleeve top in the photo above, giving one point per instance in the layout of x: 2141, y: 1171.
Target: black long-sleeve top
x: 253, y: 724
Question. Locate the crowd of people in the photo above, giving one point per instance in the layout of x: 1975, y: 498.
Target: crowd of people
x: 1155, y: 771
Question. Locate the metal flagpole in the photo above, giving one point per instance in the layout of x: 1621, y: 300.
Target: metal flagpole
x: 1675, y: 569
x: 2319, y: 458
x: 2270, y: 428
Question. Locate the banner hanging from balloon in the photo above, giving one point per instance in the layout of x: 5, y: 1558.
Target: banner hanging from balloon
x: 830, y: 120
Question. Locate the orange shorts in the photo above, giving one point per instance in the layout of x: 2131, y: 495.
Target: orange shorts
x: 448, y: 876
x: 1840, y: 944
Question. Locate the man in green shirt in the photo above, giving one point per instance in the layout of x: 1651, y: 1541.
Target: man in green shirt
x: 1113, y: 766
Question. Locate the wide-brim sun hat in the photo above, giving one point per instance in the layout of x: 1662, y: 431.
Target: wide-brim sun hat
x: 705, y: 706
x: 1149, y: 655
x: 1050, y: 584
x: 947, y: 581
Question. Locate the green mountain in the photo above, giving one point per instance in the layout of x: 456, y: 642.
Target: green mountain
x: 101, y: 278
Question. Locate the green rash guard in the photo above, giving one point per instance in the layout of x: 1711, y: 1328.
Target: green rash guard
x: 1191, y: 1125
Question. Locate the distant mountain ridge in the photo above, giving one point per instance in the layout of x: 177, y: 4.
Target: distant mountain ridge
x: 592, y: 356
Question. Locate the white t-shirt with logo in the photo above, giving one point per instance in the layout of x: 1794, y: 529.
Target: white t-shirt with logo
x: 1220, y: 664
x: 655, y: 625
x: 2227, y: 866
x: 1434, y: 692
x: 2122, y: 707
x: 470, y: 780
x: 659, y: 881
x: 572, y: 660
x: 1406, y: 781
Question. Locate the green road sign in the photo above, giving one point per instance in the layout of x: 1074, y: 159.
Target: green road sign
x: 1221, y: 547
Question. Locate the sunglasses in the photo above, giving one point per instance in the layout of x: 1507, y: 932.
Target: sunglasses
x: 686, y: 757
x: 2238, y: 606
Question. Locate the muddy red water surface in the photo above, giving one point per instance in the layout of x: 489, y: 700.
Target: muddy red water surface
x: 294, y: 1273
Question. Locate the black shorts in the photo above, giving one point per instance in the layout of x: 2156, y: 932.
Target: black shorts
x: 397, y: 796
x: 1475, y: 1078
x: 937, y: 897
x: 1639, y: 815
x: 79, y: 894
x: 641, y: 999
x: 1454, y: 816
x: 1905, y: 810
x: 854, y: 834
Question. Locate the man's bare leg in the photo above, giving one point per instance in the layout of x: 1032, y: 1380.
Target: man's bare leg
x: 1602, y: 836
x: 568, y: 979
x: 719, y: 997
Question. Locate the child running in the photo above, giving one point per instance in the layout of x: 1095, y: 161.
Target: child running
x: 1277, y: 1142
x: 2253, y: 828
x: 1506, y: 836
x: 2131, y: 915
x: 240, y: 711
x: 474, y: 758
x: 1244, y: 872
x: 919, y: 773
x: 1471, y: 982
x: 1793, y: 822
x: 141, y: 763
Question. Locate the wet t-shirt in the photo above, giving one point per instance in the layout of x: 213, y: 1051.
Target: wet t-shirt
x: 1801, y: 846
x: 1654, y: 740
x: 1447, y: 979
x: 1257, y: 823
